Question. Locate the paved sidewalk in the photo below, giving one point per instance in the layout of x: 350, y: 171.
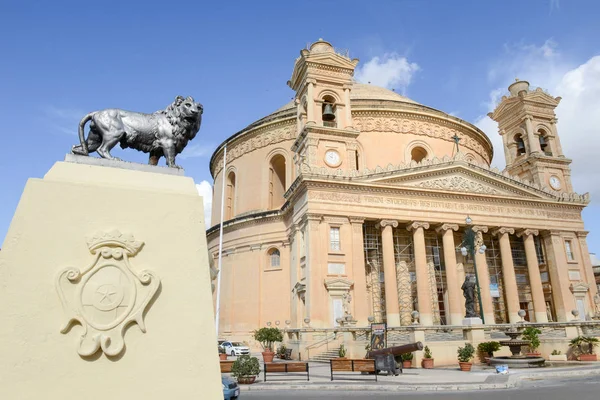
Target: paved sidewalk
x: 438, y: 379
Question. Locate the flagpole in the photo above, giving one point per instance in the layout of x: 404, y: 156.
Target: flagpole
x: 223, y: 184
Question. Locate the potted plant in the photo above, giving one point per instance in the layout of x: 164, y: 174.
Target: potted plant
x: 557, y: 356
x: 281, y: 352
x: 245, y: 369
x: 487, y: 349
x: 465, y: 354
x: 222, y: 353
x: 342, y: 352
x: 583, y: 346
x: 427, y: 361
x: 407, y: 360
x: 266, y: 337
x: 531, y: 334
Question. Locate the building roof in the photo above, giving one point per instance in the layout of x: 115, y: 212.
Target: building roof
x: 362, y: 91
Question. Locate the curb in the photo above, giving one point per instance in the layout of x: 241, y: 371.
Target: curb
x: 513, y: 381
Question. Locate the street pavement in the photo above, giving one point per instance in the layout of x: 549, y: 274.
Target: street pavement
x: 585, y: 388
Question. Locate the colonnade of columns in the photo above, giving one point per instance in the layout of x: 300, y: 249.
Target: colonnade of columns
x: 455, y: 298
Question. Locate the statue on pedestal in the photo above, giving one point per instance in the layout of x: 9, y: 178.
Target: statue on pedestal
x: 164, y: 133
x: 468, y: 288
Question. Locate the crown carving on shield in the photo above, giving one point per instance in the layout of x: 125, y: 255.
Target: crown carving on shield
x: 114, y: 238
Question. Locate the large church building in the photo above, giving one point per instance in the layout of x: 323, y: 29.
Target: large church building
x: 353, y: 204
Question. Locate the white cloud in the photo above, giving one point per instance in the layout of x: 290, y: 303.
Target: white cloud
x: 63, y: 120
x: 196, y: 150
x: 390, y: 71
x: 204, y: 189
x: 578, y: 115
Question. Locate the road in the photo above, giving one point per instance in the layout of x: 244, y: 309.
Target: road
x: 587, y: 388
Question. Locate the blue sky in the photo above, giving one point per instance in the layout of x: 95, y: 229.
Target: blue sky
x: 62, y: 59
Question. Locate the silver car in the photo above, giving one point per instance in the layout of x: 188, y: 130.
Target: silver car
x: 235, y: 348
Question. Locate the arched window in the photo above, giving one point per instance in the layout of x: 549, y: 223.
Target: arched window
x: 418, y: 154
x: 328, y: 112
x: 544, y: 144
x: 520, y: 145
x: 277, y: 182
x: 274, y: 258
x: 230, y: 196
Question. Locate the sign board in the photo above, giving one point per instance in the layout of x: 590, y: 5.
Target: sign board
x: 378, y: 340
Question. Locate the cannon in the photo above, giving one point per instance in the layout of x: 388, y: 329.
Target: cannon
x: 385, y: 359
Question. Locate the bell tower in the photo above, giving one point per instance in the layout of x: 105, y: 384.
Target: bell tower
x: 322, y: 80
x: 527, y: 124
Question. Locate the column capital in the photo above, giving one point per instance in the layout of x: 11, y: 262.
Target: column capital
x: 503, y: 230
x: 416, y: 225
x: 388, y: 222
x: 582, y: 234
x: 527, y: 232
x: 479, y: 228
x: 311, y: 81
x: 313, y: 217
x: 357, y: 220
x: 445, y: 227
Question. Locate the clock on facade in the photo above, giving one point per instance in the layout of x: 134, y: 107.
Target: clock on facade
x: 332, y: 158
x: 555, y: 182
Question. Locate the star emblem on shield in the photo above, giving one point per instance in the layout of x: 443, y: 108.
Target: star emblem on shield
x: 105, y: 297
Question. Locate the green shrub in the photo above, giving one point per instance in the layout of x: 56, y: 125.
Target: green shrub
x: 407, y: 357
x: 281, y: 351
x: 555, y: 352
x: 465, y: 354
x: 531, y: 334
x: 245, y: 366
x: 488, y: 348
x: 342, y: 351
x: 268, y: 336
x: 427, y: 352
x: 580, y: 343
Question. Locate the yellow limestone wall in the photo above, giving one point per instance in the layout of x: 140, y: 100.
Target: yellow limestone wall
x: 177, y: 356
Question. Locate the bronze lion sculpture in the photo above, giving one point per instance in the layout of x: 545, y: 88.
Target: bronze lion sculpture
x: 163, y: 133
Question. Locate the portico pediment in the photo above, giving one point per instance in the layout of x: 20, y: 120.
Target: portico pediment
x: 461, y: 178
x: 338, y: 284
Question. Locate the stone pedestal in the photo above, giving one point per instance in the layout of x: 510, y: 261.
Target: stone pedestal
x: 105, y: 287
x: 472, y: 321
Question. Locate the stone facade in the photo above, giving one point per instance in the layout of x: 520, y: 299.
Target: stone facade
x: 349, y: 205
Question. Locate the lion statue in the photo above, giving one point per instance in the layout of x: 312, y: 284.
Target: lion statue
x: 163, y: 133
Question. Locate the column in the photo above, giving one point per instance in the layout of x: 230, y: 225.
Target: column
x: 316, y: 295
x: 454, y: 313
x: 347, y: 107
x: 361, y: 301
x: 557, y: 146
x: 535, y: 281
x: 586, y: 263
x: 483, y: 275
x: 534, y: 143
x: 564, y: 301
x: 423, y: 290
x: 310, y: 102
x: 511, y: 293
x: 392, y: 311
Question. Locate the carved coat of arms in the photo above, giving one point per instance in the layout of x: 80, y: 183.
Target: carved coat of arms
x: 108, y: 295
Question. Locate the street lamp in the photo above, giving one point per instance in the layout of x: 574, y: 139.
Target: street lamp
x: 469, y: 248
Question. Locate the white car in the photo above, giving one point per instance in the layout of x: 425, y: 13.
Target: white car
x: 235, y: 348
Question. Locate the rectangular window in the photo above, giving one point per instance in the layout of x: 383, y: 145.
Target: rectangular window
x: 569, y: 250
x: 539, y: 250
x: 334, y: 239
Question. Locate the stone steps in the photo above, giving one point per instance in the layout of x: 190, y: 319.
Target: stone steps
x: 325, y: 356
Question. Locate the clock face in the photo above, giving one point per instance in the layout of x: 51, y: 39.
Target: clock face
x: 555, y: 182
x: 332, y: 158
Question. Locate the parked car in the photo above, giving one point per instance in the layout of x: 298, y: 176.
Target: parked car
x: 231, y: 390
x: 235, y: 348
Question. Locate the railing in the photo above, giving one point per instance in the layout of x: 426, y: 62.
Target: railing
x: 323, y: 342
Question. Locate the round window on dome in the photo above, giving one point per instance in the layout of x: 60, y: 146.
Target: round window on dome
x: 418, y: 154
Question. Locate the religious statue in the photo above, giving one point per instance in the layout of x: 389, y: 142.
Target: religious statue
x: 468, y: 288
x: 596, y: 306
x: 163, y: 133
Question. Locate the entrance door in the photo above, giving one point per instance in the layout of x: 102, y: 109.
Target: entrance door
x: 337, y: 310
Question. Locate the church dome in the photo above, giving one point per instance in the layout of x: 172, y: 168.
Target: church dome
x: 362, y: 91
